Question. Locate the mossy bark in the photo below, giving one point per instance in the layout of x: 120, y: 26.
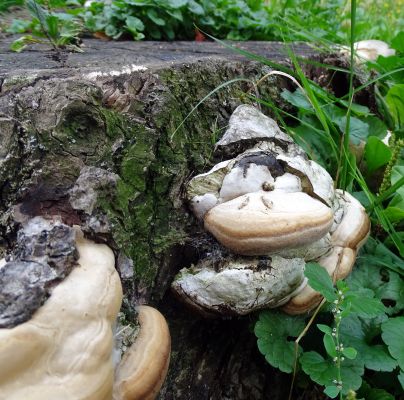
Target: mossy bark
x: 115, y: 131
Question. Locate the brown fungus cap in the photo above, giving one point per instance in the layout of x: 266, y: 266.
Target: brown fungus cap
x: 347, y: 237
x: 263, y: 222
x: 144, y: 366
x: 64, y: 352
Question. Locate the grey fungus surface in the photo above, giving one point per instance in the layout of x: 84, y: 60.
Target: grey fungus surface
x: 65, y: 350
x: 267, y: 200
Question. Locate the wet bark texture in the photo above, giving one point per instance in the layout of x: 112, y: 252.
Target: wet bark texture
x: 91, y: 139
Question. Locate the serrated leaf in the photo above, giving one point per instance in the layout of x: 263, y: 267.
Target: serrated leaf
x: 329, y: 345
x: 320, y: 281
x: 392, y: 335
x: 331, y: 391
x: 324, y: 371
x: 376, y: 153
x: 349, y: 352
x: 320, y: 370
x: 273, y: 330
x: 365, y: 306
x: 360, y: 334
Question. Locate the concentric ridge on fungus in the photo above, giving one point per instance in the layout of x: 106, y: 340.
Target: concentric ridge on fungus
x: 268, y: 200
x: 65, y: 349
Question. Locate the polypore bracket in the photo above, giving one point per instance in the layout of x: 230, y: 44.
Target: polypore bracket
x: 269, y: 202
x: 65, y: 349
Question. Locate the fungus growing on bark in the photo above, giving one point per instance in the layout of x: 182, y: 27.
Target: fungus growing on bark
x: 269, y: 201
x: 64, y: 350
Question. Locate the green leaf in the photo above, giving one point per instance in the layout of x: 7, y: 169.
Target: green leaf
x: 401, y: 378
x: 396, y: 174
x: 395, y: 101
x: 18, y: 26
x: 376, y: 154
x: 134, y: 25
x: 324, y: 328
x: 331, y: 391
x: 361, y: 334
x: 349, y: 352
x: 324, y: 371
x: 297, y: 98
x: 398, y: 42
x: 37, y: 11
x: 329, y: 345
x: 152, y: 14
x: 273, y: 330
x: 358, y: 130
x: 52, y: 23
x: 22, y: 42
x: 320, y: 281
x: 370, y: 393
x: 392, y: 335
x: 366, y: 306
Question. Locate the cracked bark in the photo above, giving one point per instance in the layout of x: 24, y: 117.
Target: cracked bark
x: 93, y: 144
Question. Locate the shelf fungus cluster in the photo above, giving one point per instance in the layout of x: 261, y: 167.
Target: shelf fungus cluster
x: 59, y: 299
x: 273, y: 210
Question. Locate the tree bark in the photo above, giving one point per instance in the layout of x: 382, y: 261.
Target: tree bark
x: 93, y: 140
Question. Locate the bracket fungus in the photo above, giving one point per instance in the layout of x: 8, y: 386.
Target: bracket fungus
x: 272, y: 210
x: 65, y: 348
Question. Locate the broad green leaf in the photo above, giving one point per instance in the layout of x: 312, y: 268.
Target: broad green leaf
x: 134, y: 24
x: 358, y: 130
x: 18, y: 26
x: 395, y: 214
x: 37, y: 11
x: 331, y: 391
x: 396, y: 174
x: 152, y: 14
x: 195, y: 8
x: 366, y: 306
x: 376, y: 126
x: 273, y: 330
x: 297, y: 98
x: 398, y: 42
x: 376, y: 153
x: 401, y: 378
x: 324, y: 328
x: 360, y: 334
x: 392, y: 335
x: 395, y: 101
x: 320, y: 281
x: 329, y: 345
x: 370, y: 393
x: 349, y: 352
x: 356, y: 108
x: 324, y: 371
x: 177, y: 3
